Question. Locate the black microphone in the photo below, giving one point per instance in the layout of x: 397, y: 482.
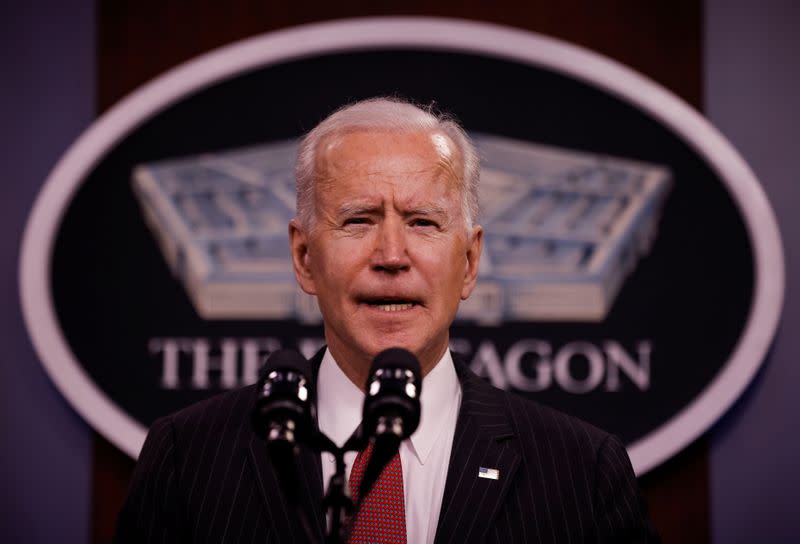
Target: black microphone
x: 391, y: 409
x: 283, y: 413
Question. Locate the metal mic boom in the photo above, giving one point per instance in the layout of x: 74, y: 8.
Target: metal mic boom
x: 283, y: 413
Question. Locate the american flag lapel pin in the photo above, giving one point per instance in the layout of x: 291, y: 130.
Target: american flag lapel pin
x: 489, y: 473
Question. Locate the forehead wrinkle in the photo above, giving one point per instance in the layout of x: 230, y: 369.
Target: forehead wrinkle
x: 407, y: 206
x: 439, y: 206
x: 427, y: 211
x: 358, y: 206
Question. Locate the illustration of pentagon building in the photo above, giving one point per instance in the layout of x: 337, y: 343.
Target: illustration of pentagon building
x: 563, y: 230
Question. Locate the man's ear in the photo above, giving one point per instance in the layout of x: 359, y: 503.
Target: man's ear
x: 301, y: 259
x: 474, y: 249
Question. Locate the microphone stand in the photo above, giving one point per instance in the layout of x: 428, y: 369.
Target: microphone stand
x: 286, y: 451
x: 337, y: 502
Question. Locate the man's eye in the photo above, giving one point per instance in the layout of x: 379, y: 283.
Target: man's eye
x: 423, y: 223
x: 356, y: 221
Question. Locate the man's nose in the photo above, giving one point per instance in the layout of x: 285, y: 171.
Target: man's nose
x: 391, y: 247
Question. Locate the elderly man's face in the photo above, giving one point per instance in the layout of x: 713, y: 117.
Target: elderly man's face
x: 389, y: 255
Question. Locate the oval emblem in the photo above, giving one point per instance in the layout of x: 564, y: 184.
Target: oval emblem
x: 633, y: 273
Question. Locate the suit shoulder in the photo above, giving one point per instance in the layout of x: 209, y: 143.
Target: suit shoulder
x: 530, y: 417
x: 220, y: 414
x: 531, y: 412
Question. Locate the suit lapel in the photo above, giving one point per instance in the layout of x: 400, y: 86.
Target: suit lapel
x: 282, y: 517
x: 483, y: 438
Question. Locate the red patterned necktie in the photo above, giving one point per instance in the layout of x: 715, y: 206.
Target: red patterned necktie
x: 382, y: 518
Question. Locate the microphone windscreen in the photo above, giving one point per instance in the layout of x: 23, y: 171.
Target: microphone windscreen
x: 397, y: 358
x: 287, y: 359
x: 284, y: 392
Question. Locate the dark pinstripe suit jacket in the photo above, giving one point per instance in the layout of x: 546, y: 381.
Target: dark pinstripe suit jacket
x: 203, y: 476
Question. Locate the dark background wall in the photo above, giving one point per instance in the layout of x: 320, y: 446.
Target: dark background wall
x: 747, y: 69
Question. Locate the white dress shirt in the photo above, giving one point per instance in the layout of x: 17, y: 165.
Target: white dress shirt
x: 424, y: 457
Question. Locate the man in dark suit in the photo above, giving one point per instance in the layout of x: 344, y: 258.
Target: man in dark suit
x: 385, y: 239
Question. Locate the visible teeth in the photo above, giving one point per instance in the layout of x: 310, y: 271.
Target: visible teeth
x: 394, y: 307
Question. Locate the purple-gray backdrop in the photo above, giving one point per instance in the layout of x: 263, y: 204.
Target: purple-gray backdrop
x: 752, y: 85
x: 47, y: 74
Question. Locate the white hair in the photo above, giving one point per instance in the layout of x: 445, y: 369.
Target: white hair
x: 393, y: 115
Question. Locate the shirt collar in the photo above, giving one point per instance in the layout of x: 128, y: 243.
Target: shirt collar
x: 340, y: 403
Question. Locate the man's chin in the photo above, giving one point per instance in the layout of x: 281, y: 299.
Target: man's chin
x: 387, y: 343
x: 424, y: 352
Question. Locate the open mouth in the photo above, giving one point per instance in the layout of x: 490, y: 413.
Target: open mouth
x: 393, y: 305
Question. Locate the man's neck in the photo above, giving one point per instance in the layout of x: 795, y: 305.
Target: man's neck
x: 356, y: 365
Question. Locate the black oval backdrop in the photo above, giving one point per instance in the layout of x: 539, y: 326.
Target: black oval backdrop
x: 691, y: 296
